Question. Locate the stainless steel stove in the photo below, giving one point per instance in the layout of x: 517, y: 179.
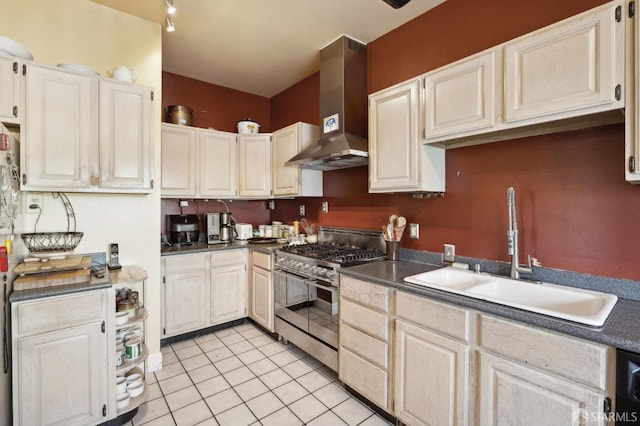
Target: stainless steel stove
x: 307, y: 287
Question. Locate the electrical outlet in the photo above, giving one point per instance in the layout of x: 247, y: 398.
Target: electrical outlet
x: 301, y: 209
x: 449, y: 254
x: 33, y: 202
x: 414, y: 231
x: 272, y: 204
x: 325, y: 207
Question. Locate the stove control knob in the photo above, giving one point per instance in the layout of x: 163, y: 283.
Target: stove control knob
x: 332, y: 274
x: 314, y: 269
x: 322, y: 271
x: 306, y: 266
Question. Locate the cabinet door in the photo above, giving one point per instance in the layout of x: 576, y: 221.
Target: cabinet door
x: 514, y: 394
x: 218, y: 164
x: 228, y: 293
x: 394, y: 138
x: 286, y: 180
x: 70, y: 363
x: 565, y: 67
x: 126, y: 136
x: 186, y: 301
x: 178, y: 161
x: 262, y: 297
x: 255, y: 165
x: 462, y: 97
x: 431, y: 376
x: 10, y: 108
x: 60, y: 130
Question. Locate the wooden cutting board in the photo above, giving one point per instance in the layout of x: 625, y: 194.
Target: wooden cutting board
x: 31, y: 281
x: 69, y: 263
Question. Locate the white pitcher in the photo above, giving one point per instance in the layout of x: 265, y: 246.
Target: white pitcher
x: 122, y: 73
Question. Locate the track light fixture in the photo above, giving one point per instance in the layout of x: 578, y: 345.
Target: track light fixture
x: 171, y: 9
x: 168, y: 24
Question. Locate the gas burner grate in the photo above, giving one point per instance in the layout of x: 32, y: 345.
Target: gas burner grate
x: 342, y: 255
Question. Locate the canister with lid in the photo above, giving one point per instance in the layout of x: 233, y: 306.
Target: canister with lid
x: 133, y: 348
x: 128, y: 306
x: 121, y: 356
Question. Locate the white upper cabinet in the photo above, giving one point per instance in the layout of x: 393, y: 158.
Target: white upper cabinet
x: 576, y: 64
x: 218, y: 164
x: 10, y: 98
x: 293, y: 181
x: 632, y: 130
x: 254, y: 179
x: 126, y: 136
x: 60, y: 128
x: 81, y: 133
x: 464, y: 96
x: 178, y: 161
x: 398, y: 161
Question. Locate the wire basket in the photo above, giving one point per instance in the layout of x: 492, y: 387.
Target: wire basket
x: 38, y: 242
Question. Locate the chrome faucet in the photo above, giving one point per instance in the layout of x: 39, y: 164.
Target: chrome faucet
x: 512, y: 238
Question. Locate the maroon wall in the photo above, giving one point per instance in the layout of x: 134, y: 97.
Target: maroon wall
x: 215, y: 106
x: 576, y: 212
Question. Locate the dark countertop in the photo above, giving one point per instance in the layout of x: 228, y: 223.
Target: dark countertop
x: 202, y: 247
x: 620, y: 329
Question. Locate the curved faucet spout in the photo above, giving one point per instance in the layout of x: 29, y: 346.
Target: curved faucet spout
x: 512, y: 238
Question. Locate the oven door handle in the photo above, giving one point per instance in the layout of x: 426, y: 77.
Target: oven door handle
x: 324, y: 287
x: 286, y: 273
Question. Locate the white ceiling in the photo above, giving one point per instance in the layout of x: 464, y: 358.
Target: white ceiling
x: 263, y: 46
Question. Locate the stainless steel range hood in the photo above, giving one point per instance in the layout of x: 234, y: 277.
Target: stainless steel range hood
x: 343, y: 109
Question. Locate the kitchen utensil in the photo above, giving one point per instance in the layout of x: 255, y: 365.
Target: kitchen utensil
x: 393, y: 249
x: 179, y: 114
x: 248, y: 126
x: 28, y: 282
x: 313, y: 238
x: 79, y: 68
x: 122, y: 73
x: 123, y: 400
x: 14, y: 48
x: 69, y: 263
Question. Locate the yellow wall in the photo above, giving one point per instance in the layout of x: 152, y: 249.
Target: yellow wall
x: 83, y: 32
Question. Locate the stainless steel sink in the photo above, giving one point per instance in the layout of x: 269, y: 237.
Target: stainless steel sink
x: 573, y: 304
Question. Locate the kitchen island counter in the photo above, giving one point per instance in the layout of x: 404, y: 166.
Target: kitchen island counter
x: 619, y: 330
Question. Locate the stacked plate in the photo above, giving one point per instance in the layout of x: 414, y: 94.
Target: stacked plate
x: 13, y: 48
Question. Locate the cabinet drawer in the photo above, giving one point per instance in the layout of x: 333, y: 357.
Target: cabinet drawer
x: 55, y: 313
x: 262, y: 260
x: 366, y: 378
x: 228, y: 257
x: 364, y: 319
x: 437, y: 316
x: 587, y: 362
x: 364, y: 345
x: 365, y: 293
x: 186, y: 262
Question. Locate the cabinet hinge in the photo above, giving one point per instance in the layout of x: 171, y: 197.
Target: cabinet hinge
x: 151, y: 183
x: 424, y: 133
x: 24, y: 178
x: 632, y: 164
x: 632, y: 9
x: 606, y: 407
x: 151, y: 95
x: 15, y: 111
x: 104, y: 328
x: 15, y: 68
x: 164, y: 331
x: 618, y: 91
x: 618, y: 13
x: 104, y: 410
x: 24, y: 70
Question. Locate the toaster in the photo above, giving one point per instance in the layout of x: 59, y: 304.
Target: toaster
x: 244, y: 231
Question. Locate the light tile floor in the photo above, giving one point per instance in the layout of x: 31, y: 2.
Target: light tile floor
x: 242, y: 376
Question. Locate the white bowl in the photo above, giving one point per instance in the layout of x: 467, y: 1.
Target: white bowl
x: 134, y: 377
x: 123, y: 400
x: 135, y: 389
x: 121, y: 384
x: 14, y: 48
x: 79, y: 68
x: 122, y: 317
x: 313, y: 238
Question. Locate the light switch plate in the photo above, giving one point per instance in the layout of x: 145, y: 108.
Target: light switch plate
x: 325, y: 207
x: 414, y: 231
x: 449, y: 254
x: 302, y: 209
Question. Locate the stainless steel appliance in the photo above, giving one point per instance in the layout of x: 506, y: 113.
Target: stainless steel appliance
x: 627, y: 388
x: 307, y: 287
x: 183, y: 228
x: 212, y: 221
x: 227, y: 227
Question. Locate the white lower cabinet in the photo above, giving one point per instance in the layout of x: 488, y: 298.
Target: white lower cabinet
x: 61, y: 369
x: 203, y: 289
x: 186, y: 293
x: 229, y: 285
x: 261, y: 301
x: 447, y: 365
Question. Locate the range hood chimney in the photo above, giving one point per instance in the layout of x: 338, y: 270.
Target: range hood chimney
x: 343, y: 109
